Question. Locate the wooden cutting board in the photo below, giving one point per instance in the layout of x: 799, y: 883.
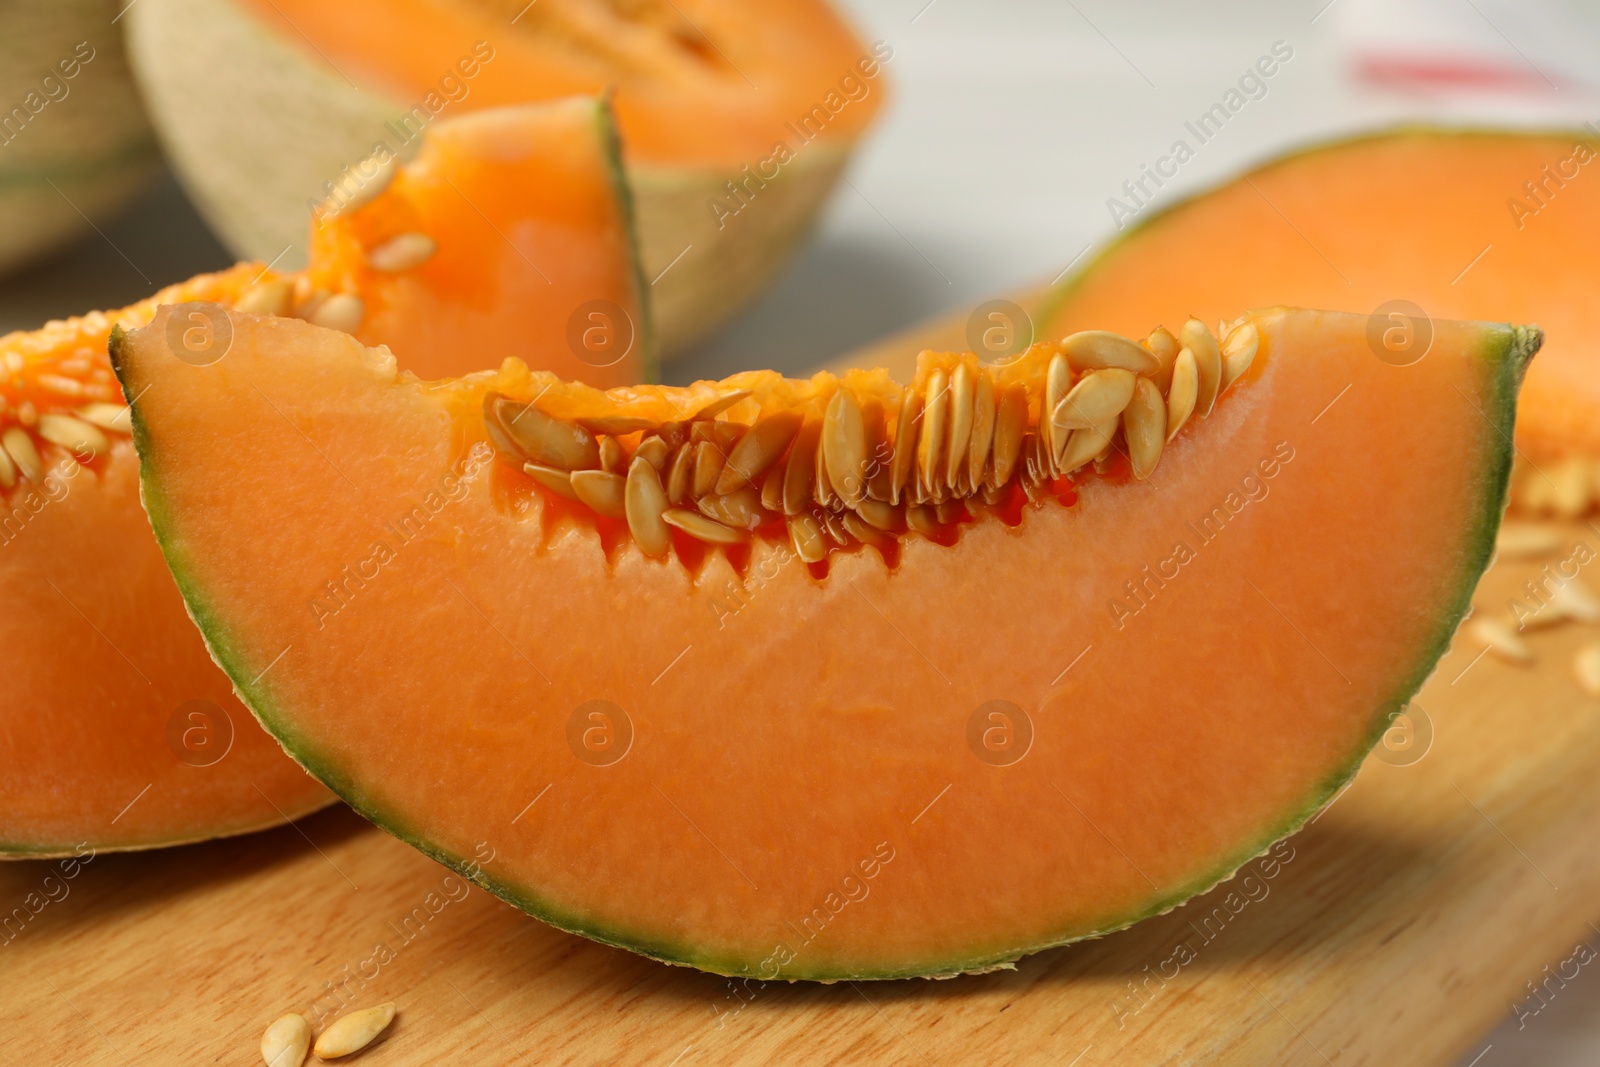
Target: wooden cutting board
x: 1398, y: 928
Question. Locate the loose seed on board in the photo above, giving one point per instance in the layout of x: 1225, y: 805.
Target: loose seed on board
x: 983, y: 418
x: 1197, y: 338
x: 963, y: 386
x: 286, y: 1042
x: 1576, y: 601
x: 1523, y: 540
x: 1238, y: 352
x: 1184, y: 393
x: 341, y: 311
x: 930, y: 439
x: 402, y: 252
x: 554, y: 479
x: 800, y: 470
x: 1500, y: 639
x: 1102, y: 349
x: 644, y: 504
x: 903, y: 463
x: 612, y: 456
x: 83, y: 440
x: 354, y: 1031
x: 108, y: 416
x: 1099, y: 395
x: 805, y: 533
x: 19, y: 445
x: 273, y: 297
x: 1586, y: 666
x: 603, y: 491
x: 1164, y: 347
x: 701, y: 528
x: 539, y: 438
x: 654, y: 451
x: 844, y: 446
x: 1144, y: 425
x: 758, y: 449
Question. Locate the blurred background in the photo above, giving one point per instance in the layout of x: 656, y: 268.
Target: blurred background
x: 1009, y: 129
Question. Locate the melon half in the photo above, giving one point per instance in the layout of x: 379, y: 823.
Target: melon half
x: 1409, y: 225
x: 737, y: 119
x: 835, y: 678
x: 118, y: 731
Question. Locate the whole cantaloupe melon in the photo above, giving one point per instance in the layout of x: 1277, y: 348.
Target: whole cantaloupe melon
x: 74, y: 141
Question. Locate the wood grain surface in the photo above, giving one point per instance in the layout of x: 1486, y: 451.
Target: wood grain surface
x: 1398, y: 928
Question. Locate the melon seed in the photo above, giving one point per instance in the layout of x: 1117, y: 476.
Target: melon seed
x: 603, y: 491
x: 844, y: 446
x: 614, y: 425
x: 541, y: 439
x: 1185, y: 391
x: 1144, y: 425
x: 930, y: 440
x: 1098, y: 396
x: 680, y: 472
x: 556, y: 480
x: 85, y: 441
x: 722, y: 403
x: 644, y: 504
x: 652, y: 450
x: 800, y: 473
x: 758, y: 449
x: 286, y: 1042
x: 805, y: 533
x: 1586, y: 665
x: 772, y: 491
x: 922, y: 519
x: 1522, y: 540
x: 354, y: 1032
x: 740, y: 509
x: 878, y: 514
x: 1238, y: 352
x: 701, y: 528
x: 273, y: 297
x: 612, y: 457
x: 1057, y: 384
x: 108, y: 416
x: 1103, y: 350
x: 1011, y: 421
x: 903, y: 462
x: 962, y: 387
x: 8, y: 471
x: 1164, y: 347
x: 707, y: 468
x: 1500, y: 639
x: 20, y: 447
x: 1087, y: 443
x: 983, y: 418
x: 402, y: 252
x: 341, y: 311
x: 1197, y: 338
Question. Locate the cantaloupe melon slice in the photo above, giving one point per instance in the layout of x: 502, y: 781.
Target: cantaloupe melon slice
x: 118, y: 730
x: 1013, y: 702
x: 1458, y: 223
x: 737, y: 120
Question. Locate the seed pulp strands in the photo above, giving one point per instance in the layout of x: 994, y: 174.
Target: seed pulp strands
x: 829, y: 463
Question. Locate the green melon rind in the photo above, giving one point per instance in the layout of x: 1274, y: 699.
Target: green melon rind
x: 611, y: 148
x: 1506, y: 356
x: 61, y: 851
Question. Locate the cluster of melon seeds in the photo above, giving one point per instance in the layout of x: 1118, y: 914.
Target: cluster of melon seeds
x: 832, y: 463
x: 1548, y: 601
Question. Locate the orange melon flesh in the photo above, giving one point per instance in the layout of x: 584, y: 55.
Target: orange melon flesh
x: 799, y: 798
x: 1443, y: 219
x: 702, y: 82
x: 530, y: 215
x: 101, y: 656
